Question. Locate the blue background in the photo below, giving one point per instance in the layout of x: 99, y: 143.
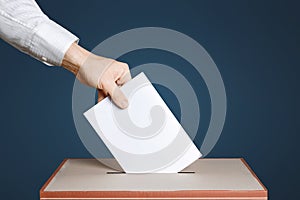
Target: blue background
x: 255, y: 44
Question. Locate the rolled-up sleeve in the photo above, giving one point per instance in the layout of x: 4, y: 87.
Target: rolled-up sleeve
x: 26, y: 27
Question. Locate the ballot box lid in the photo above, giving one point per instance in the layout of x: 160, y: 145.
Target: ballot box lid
x: 204, y: 179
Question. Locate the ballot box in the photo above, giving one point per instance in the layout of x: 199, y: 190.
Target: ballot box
x: 204, y: 179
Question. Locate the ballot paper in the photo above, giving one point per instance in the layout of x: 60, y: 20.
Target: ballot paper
x: 145, y: 137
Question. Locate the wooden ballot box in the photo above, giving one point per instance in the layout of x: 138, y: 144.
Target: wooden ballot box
x: 204, y: 179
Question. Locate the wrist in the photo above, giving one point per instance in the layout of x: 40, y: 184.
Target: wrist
x: 74, y: 58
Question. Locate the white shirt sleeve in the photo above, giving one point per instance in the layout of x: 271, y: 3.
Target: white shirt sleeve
x: 26, y: 27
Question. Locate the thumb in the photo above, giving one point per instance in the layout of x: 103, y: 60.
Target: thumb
x: 117, y: 96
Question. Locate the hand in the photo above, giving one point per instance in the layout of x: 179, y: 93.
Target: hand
x: 105, y: 74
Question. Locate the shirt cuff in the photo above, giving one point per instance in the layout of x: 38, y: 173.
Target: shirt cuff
x: 50, y: 42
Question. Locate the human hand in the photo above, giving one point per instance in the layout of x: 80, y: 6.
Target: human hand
x: 102, y: 73
x: 107, y: 75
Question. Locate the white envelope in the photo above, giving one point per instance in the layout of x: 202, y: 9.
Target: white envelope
x: 145, y: 137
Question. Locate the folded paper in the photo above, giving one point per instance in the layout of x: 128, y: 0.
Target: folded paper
x: 145, y: 137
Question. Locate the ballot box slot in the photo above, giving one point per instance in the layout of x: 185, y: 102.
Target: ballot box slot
x: 189, y: 172
x: 115, y: 173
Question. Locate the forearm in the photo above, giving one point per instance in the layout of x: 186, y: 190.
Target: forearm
x: 74, y: 58
x: 26, y: 27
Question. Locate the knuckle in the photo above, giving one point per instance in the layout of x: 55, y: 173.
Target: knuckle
x: 125, y: 66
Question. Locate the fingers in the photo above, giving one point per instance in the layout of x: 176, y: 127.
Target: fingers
x: 116, y: 95
x: 125, y: 77
x: 116, y: 75
x: 119, y: 98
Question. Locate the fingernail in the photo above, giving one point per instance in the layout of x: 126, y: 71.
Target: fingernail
x: 124, y: 104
